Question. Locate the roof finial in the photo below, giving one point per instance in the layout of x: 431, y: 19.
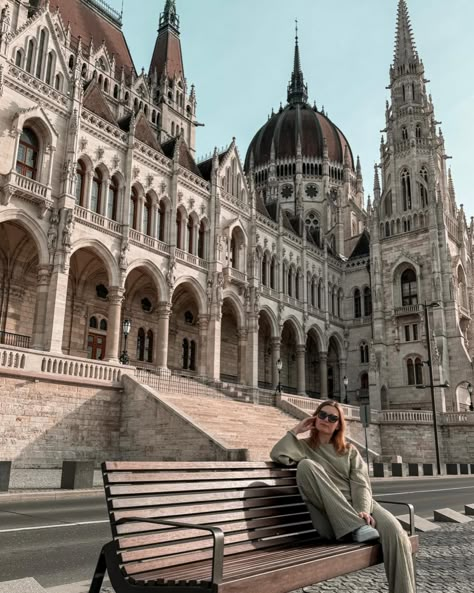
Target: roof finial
x: 169, y: 16
x: 297, y: 89
x: 405, y: 48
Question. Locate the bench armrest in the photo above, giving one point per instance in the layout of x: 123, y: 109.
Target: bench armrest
x: 411, y: 512
x: 217, y: 536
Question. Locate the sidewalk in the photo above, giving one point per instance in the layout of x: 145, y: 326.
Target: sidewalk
x: 445, y: 564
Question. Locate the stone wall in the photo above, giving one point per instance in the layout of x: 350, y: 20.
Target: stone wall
x: 44, y: 422
x: 152, y: 430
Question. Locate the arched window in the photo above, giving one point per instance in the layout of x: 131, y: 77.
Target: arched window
x: 367, y: 302
x: 418, y: 131
x: 39, y: 61
x: 314, y: 228
x: 190, y: 234
x: 364, y: 381
x: 147, y: 219
x: 96, y: 191
x: 149, y: 346
x: 162, y: 214
x: 116, y: 91
x: 409, y: 288
x: 388, y: 204
x: 141, y: 344
x: 93, y: 323
x: 320, y: 295
x: 233, y: 252
x: 404, y: 133
x: 103, y: 325
x: 364, y: 352
x: 29, y: 55
x: 273, y: 274
x: 49, y: 68
x: 201, y: 240
x: 406, y: 190
x: 28, y: 152
x: 112, y: 201
x: 192, y: 356
x: 58, y: 82
x: 290, y: 282
x: 133, y: 209
x: 185, y: 353
x: 423, y: 187
x: 418, y: 371
x: 264, y: 278
x: 357, y: 304
x: 84, y: 70
x: 19, y: 58
x: 179, y: 230
x: 410, y: 372
x: 80, y: 182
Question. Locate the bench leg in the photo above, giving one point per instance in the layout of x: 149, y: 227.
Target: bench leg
x: 99, y: 574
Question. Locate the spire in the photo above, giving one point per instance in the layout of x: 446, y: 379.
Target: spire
x: 297, y: 89
x: 405, y: 48
x: 169, y: 17
x: 358, y: 168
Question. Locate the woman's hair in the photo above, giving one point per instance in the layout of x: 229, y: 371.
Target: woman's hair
x: 338, y: 438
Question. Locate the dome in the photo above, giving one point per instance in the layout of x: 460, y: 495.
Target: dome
x: 303, y: 121
x: 298, y: 120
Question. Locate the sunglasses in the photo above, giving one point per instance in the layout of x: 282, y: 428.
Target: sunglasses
x: 332, y: 418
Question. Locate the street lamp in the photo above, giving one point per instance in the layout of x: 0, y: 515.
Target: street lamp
x: 279, y: 365
x: 346, y: 383
x: 126, y: 326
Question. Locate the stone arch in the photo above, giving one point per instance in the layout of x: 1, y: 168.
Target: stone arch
x: 272, y: 318
x: 232, y: 363
x: 293, y: 321
x: 318, y: 335
x: 31, y: 225
x: 232, y: 297
x: 104, y: 254
x: 155, y: 273
x: 463, y: 397
x: 197, y: 290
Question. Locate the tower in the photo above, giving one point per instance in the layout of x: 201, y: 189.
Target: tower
x: 413, y: 227
x: 169, y: 86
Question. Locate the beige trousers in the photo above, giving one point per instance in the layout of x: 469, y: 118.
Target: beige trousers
x: 333, y: 517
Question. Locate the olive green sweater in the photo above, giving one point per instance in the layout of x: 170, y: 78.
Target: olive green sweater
x: 347, y: 471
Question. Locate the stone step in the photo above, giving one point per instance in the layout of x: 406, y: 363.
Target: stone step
x: 28, y: 585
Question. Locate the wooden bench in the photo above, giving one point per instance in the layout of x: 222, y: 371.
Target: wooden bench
x: 226, y: 527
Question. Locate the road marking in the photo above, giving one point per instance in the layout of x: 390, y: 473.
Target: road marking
x: 53, y: 526
x: 424, y: 491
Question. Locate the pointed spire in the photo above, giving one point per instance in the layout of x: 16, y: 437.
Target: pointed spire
x: 358, y: 168
x: 169, y: 17
x: 405, y: 48
x: 297, y: 89
x: 452, y: 192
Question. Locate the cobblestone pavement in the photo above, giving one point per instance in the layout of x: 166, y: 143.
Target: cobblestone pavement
x: 445, y: 564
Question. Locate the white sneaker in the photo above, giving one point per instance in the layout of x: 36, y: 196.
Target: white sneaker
x: 365, y: 534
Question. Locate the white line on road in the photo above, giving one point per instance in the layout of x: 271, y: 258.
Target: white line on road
x: 53, y: 526
x: 424, y: 491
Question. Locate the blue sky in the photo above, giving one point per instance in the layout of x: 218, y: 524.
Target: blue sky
x: 239, y: 54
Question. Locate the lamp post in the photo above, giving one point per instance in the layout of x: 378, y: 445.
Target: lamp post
x: 279, y: 365
x: 126, y: 326
x: 346, y: 383
x: 431, y: 385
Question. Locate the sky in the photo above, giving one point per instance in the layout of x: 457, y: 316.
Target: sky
x: 239, y: 54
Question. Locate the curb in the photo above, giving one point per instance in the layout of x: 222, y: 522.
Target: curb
x: 50, y: 495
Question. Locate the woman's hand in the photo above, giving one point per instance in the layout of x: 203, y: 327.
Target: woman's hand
x: 305, y: 425
x: 368, y: 519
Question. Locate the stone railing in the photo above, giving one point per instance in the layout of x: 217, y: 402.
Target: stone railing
x: 15, y: 184
x: 405, y: 416
x: 235, y: 275
x: 450, y: 418
x: 97, y: 221
x: 148, y: 242
x: 190, y: 258
x: 10, y: 339
x: 59, y: 366
x: 309, y: 404
x: 407, y: 310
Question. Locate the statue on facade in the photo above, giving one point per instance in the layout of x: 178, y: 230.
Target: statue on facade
x: 123, y: 260
x: 171, y: 276
x: 53, y: 233
x: 68, y: 228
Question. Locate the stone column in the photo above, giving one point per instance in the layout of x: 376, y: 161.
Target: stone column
x: 342, y: 374
x: 300, y: 360
x: 114, y: 323
x: 276, y: 343
x: 42, y: 288
x: 323, y: 374
x: 162, y: 338
x: 55, y: 311
x: 50, y: 151
x: 214, y: 347
x: 243, y: 337
x: 252, y: 352
x: 203, y: 323
x: 140, y: 209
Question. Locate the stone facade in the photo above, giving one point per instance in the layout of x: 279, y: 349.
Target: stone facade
x: 222, y: 268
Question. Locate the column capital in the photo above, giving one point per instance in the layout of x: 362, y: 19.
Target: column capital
x: 203, y: 321
x: 242, y: 334
x: 275, y: 341
x: 115, y: 295
x: 44, y: 275
x: 300, y: 349
x: 323, y: 355
x: 163, y: 309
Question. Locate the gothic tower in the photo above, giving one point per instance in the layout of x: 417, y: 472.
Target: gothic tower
x: 178, y: 108
x: 416, y: 241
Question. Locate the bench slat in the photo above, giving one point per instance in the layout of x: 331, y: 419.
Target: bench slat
x: 197, y: 486
x: 196, y: 476
x: 109, y: 466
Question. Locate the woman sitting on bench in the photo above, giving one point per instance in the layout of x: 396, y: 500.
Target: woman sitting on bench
x: 334, y: 483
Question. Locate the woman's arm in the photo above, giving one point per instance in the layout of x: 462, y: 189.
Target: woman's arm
x: 361, y: 491
x: 289, y: 449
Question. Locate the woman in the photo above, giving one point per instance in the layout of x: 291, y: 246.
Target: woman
x: 334, y: 483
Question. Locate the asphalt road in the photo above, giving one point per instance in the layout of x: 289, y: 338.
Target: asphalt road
x: 58, y: 542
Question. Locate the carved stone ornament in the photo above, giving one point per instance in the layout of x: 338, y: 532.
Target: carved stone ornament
x: 202, y: 209
x: 149, y: 180
x: 163, y: 187
x: 191, y: 203
x: 123, y: 260
x: 83, y: 144
x: 115, y: 161
x: 135, y: 172
x: 180, y: 196
x: 100, y: 153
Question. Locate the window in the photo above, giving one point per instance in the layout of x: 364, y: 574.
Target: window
x: 409, y: 288
x: 423, y: 187
x: 418, y: 371
x: 201, y: 239
x: 364, y: 352
x: 103, y: 325
x: 367, y: 302
x: 58, y: 82
x: 101, y: 291
x: 112, y: 200
x: 185, y: 353
x: 133, y: 209
x: 93, y: 323
x: 27, y: 157
x: 19, y: 58
x: 364, y: 381
x: 357, y: 304
x: 141, y: 344
x: 162, y: 214
x: 410, y: 372
x: 313, y: 226
x: 404, y: 133
x: 418, y: 131
x: 407, y: 333
x: 406, y: 190
x: 192, y: 358
x: 411, y: 332
x: 39, y: 63
x: 415, y: 332
x: 49, y: 68
x: 264, y: 270
x: 146, y: 305
x: 29, y: 55
x: 149, y: 346
x: 388, y: 204
x: 272, y: 273
x: 179, y: 230
x: 190, y: 235
x: 96, y: 191
x: 147, y: 219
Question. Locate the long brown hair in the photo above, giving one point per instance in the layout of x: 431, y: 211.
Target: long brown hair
x: 338, y: 439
